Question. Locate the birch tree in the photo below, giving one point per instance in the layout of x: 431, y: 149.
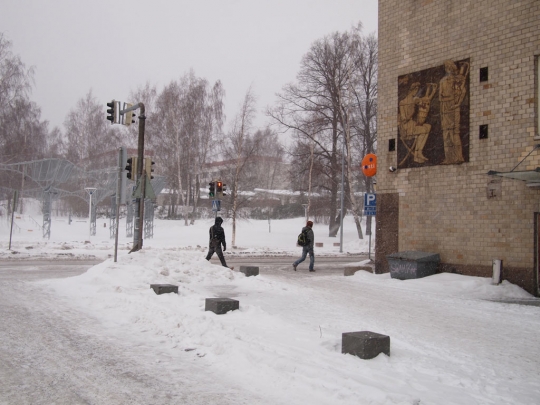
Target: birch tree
x: 240, y: 149
x: 23, y: 135
x: 189, y: 115
x: 87, y: 132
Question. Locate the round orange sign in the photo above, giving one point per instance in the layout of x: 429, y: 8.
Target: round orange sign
x: 369, y: 165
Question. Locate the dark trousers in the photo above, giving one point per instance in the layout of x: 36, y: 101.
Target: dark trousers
x: 215, y: 247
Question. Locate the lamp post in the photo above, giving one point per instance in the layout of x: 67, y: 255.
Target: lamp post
x: 90, y: 191
x: 342, y: 195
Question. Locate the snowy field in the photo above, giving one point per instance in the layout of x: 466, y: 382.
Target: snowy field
x: 252, y: 237
x: 450, y: 343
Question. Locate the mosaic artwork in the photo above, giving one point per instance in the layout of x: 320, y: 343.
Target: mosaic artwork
x: 433, y: 116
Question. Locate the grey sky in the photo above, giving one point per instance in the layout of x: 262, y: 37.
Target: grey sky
x: 113, y: 47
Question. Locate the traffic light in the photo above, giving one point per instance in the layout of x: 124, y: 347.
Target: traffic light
x: 129, y: 116
x: 132, y: 168
x: 211, y: 189
x: 111, y: 112
x: 148, y: 167
x: 224, y: 189
x: 219, y: 189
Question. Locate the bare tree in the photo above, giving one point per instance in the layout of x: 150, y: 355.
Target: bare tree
x: 211, y: 127
x: 56, y: 145
x: 364, y: 91
x: 357, y: 112
x: 331, y: 111
x: 15, y: 79
x: 238, y: 146
x: 23, y: 136
x: 189, y: 114
x: 146, y: 94
x: 88, y: 134
x: 167, y: 140
x: 18, y: 115
x: 311, y: 110
x: 264, y: 166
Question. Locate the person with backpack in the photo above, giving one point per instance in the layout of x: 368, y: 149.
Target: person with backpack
x: 217, y: 238
x: 306, y: 239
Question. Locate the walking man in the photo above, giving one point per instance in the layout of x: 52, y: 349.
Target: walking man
x: 307, y: 248
x: 217, y: 238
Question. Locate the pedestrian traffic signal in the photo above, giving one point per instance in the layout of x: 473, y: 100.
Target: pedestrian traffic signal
x: 132, y: 168
x: 219, y: 189
x: 148, y: 167
x: 224, y: 189
x: 111, y: 112
x: 211, y: 190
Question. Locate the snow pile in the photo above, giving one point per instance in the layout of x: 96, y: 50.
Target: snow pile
x: 449, y: 343
x: 284, y: 342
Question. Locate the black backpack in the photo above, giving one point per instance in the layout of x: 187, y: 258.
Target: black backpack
x: 303, y: 239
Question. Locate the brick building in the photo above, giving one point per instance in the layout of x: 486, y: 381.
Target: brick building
x: 458, y: 99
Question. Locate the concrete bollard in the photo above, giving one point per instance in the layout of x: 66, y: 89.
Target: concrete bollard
x: 365, y: 344
x: 221, y: 306
x: 164, y: 288
x: 249, y: 270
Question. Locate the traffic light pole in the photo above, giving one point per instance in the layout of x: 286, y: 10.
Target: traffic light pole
x: 116, y: 116
x: 139, y: 201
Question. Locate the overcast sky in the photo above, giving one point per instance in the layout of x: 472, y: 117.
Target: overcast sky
x: 112, y: 47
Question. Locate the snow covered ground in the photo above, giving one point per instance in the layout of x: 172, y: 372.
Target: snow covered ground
x: 253, y: 237
x: 450, y: 344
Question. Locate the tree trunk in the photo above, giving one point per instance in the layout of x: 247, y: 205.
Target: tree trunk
x: 196, y: 195
x: 352, y: 198
x: 310, y: 180
x: 187, y: 201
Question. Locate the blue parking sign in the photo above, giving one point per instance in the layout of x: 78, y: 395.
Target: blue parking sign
x: 370, y: 204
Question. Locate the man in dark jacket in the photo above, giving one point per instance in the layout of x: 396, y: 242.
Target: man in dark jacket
x: 308, y: 248
x: 217, y: 238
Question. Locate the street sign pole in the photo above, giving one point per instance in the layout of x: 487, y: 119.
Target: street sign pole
x: 216, y: 206
x: 370, y: 209
x: 13, y: 208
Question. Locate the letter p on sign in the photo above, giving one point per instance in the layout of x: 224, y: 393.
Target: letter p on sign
x: 370, y: 200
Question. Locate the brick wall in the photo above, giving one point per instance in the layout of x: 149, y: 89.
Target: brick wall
x: 445, y: 208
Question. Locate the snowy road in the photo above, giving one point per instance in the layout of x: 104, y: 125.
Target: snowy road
x: 445, y: 348
x: 52, y: 354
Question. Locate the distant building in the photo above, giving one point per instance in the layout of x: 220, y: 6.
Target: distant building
x: 458, y: 99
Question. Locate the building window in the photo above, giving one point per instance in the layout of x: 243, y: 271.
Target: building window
x: 484, y: 74
x: 483, y: 132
